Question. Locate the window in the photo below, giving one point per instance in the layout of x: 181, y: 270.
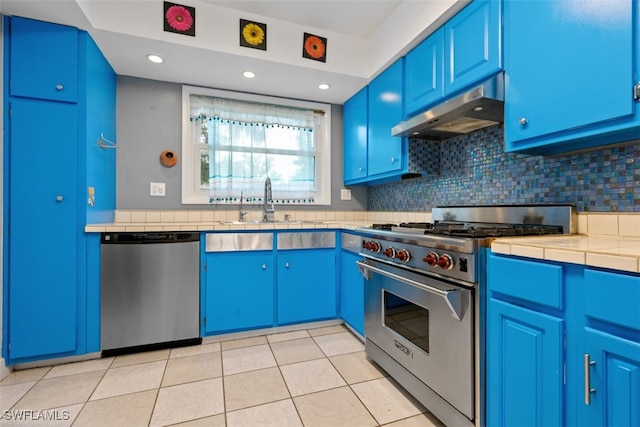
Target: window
x: 231, y: 142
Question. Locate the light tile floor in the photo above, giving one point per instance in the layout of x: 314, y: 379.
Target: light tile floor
x: 316, y: 377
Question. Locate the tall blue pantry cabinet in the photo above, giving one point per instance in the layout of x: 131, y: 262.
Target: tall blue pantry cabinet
x: 59, y: 99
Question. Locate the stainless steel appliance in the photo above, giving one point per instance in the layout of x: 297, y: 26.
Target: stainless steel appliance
x: 475, y: 109
x: 150, y: 291
x: 424, y: 299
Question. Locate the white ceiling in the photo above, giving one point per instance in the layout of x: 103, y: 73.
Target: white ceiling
x: 363, y: 37
x: 355, y: 17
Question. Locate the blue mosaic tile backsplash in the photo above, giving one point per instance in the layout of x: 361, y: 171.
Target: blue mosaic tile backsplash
x: 475, y: 170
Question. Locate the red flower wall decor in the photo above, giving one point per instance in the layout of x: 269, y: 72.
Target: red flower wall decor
x: 314, y: 47
x: 179, y: 19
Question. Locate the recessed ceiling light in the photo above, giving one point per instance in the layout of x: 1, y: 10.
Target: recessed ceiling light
x: 249, y: 74
x: 155, y: 58
x: 323, y: 86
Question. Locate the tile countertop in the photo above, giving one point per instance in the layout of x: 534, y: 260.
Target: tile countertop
x: 217, y: 226
x: 615, y: 252
x: 617, y: 246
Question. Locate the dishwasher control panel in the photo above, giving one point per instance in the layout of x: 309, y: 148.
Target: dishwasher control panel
x: 151, y: 237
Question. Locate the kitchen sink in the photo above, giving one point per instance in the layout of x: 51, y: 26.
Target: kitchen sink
x: 269, y: 222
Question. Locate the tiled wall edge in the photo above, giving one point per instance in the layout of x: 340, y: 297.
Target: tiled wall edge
x: 601, y: 223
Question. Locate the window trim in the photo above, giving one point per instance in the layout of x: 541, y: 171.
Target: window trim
x: 191, y: 154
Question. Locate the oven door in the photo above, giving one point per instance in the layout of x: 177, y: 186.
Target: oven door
x: 426, y: 325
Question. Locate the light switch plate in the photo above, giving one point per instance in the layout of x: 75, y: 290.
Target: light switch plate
x: 345, y: 194
x: 157, y: 189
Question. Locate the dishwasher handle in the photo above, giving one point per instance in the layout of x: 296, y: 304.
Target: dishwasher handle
x: 149, y: 237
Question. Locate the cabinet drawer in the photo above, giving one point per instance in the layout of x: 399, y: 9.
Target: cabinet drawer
x: 536, y: 282
x: 613, y: 297
x: 307, y: 240
x: 234, y: 242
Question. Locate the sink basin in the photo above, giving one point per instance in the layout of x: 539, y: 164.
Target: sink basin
x: 268, y: 222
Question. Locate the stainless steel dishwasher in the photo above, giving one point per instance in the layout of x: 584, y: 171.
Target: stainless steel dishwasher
x: 150, y: 295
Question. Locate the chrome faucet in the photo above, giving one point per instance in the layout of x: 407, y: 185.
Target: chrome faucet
x: 243, y: 213
x: 268, y: 210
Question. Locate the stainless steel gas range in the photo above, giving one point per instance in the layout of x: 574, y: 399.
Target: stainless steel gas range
x: 424, y: 299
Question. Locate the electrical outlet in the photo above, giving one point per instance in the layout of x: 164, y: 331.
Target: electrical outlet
x: 157, y: 189
x: 345, y: 194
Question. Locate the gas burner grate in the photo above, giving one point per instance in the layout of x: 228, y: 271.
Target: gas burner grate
x: 419, y: 225
x: 383, y: 226
x: 492, y: 230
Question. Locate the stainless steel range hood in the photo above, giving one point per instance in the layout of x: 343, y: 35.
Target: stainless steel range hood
x: 475, y: 109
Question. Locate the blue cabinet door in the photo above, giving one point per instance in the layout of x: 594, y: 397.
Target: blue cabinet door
x: 239, y: 291
x: 43, y: 60
x: 306, y: 285
x: 473, y: 43
x: 386, y: 152
x: 570, y: 75
x: 614, y: 377
x: 352, y: 292
x: 524, y: 366
x: 355, y: 136
x: 42, y: 193
x: 423, y: 74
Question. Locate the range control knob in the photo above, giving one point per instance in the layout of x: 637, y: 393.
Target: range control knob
x: 390, y: 252
x: 403, y: 255
x: 445, y: 262
x: 431, y: 259
x: 370, y: 245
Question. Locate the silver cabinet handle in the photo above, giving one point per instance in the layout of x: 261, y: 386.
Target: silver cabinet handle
x: 264, y: 266
x: 287, y: 265
x: 59, y: 198
x: 588, y: 363
x: 393, y: 160
x: 451, y: 297
x: 523, y: 121
x: 360, y: 169
x: 59, y: 87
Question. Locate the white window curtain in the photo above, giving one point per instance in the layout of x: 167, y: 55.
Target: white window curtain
x: 247, y: 142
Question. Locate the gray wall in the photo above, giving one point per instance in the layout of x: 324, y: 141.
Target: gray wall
x: 149, y: 116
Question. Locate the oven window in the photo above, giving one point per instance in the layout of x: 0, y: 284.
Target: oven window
x: 408, y: 319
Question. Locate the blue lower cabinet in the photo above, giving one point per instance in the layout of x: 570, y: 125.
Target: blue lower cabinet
x: 42, y: 307
x: 524, y: 367
x: 239, y: 291
x: 611, y: 380
x: 563, y: 344
x: 351, y: 292
x: 306, y: 285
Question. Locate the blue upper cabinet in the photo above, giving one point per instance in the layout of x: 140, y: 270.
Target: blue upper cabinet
x: 473, y: 44
x: 355, y: 136
x: 424, y: 73
x: 465, y: 51
x: 386, y: 153
x: 371, y: 153
x: 570, y: 71
x: 43, y: 60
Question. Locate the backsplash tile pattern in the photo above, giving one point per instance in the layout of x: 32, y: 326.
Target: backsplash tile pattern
x: 474, y: 170
x: 424, y: 158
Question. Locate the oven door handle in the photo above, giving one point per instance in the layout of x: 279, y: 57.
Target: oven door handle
x: 451, y: 297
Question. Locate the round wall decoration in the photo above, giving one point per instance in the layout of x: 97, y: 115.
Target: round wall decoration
x: 168, y: 158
